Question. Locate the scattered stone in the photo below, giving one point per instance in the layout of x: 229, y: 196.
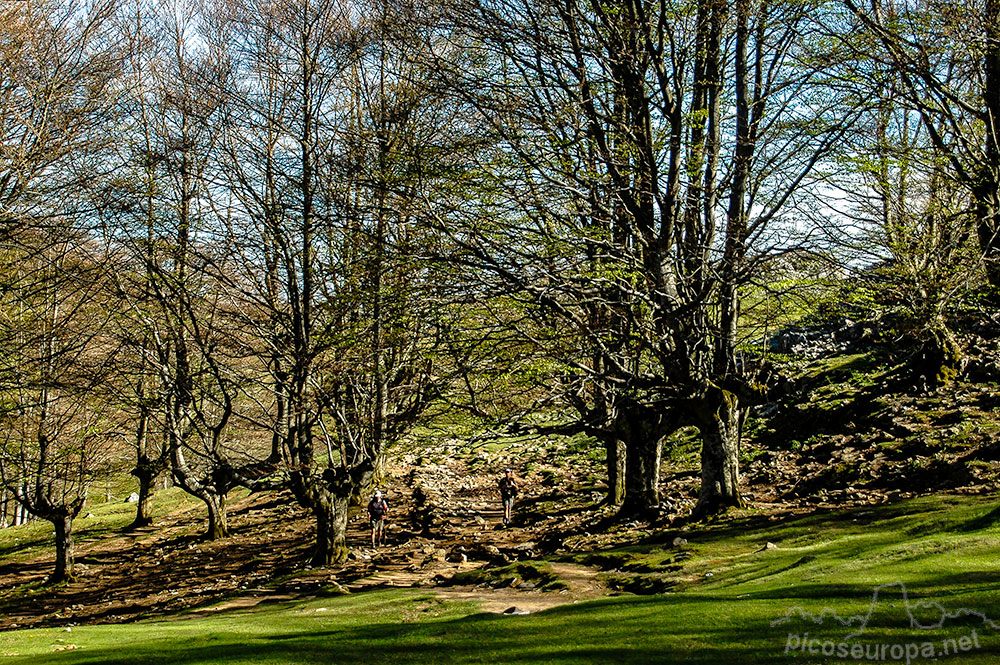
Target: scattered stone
x: 132, y: 498
x: 769, y: 546
x: 513, y: 611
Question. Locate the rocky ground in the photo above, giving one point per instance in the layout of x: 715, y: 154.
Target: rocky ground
x: 445, y: 518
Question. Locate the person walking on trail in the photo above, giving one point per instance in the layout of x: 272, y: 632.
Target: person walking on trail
x: 508, y: 494
x: 377, y: 509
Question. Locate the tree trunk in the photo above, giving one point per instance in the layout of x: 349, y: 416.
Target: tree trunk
x: 987, y: 190
x: 616, y: 471
x: 720, y: 462
x: 644, y: 446
x: 146, y: 473
x: 20, y: 514
x: 64, y: 548
x: 939, y: 357
x: 988, y: 225
x: 218, y: 519
x: 331, y: 530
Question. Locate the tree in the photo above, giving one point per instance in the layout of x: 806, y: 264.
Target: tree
x: 912, y: 220
x: 954, y: 86
x: 56, y: 72
x: 614, y: 121
x: 183, y: 375
x: 57, y: 431
x: 322, y: 166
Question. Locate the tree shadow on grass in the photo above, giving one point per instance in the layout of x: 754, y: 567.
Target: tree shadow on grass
x: 605, y: 632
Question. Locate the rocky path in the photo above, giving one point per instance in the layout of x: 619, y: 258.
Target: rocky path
x: 452, y: 522
x: 445, y: 518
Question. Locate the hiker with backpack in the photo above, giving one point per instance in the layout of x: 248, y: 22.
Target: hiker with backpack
x: 508, y: 494
x: 377, y: 509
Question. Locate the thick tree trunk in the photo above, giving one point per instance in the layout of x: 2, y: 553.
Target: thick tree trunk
x: 64, y: 548
x: 720, y: 461
x: 644, y: 447
x: 146, y: 473
x: 616, y: 471
x: 218, y: 519
x: 939, y: 357
x: 331, y: 530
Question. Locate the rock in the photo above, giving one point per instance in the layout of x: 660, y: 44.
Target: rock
x: 492, y: 550
x: 88, y: 516
x: 513, y: 611
x: 527, y: 585
x: 680, y: 542
x: 769, y: 546
x: 456, y: 556
x: 132, y: 498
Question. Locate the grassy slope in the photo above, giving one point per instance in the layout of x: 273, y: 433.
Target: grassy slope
x: 942, y: 548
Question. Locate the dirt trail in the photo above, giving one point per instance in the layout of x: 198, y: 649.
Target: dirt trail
x: 454, y: 524
x: 444, y: 518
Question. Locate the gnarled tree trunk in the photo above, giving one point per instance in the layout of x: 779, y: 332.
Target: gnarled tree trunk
x: 643, y: 430
x: 63, y: 524
x: 218, y: 519
x: 146, y: 471
x: 331, y: 529
x: 719, y: 424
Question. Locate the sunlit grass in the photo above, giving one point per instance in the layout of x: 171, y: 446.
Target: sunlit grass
x: 938, y: 549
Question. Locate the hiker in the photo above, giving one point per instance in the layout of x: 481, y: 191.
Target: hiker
x: 508, y: 493
x: 377, y: 508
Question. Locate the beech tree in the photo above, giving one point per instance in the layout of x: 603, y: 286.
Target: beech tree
x: 646, y: 154
x: 946, y: 66
x: 184, y: 378
x: 58, y: 432
x: 56, y: 72
x: 911, y: 219
x: 321, y: 167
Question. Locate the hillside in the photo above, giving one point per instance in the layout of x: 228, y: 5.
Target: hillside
x: 838, y: 455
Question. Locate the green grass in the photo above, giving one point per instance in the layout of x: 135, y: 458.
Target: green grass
x: 35, y: 538
x: 731, y: 590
